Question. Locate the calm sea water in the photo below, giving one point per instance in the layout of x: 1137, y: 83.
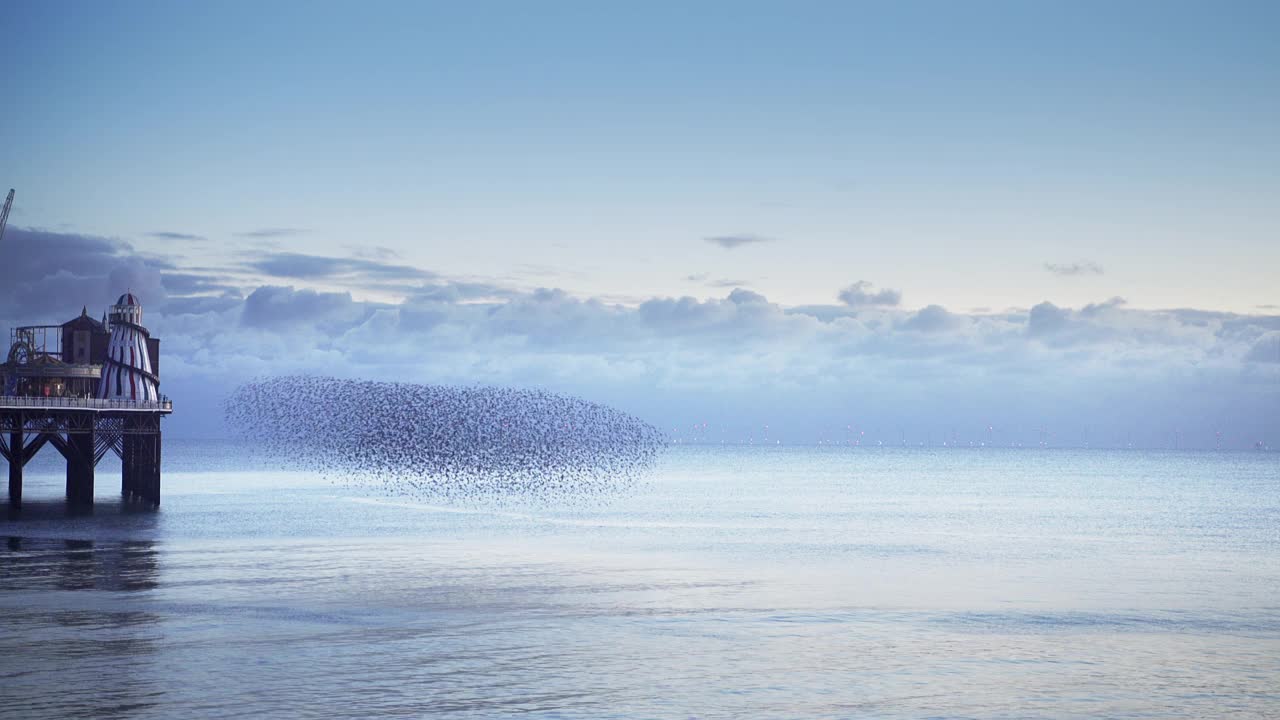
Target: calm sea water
x: 737, y: 582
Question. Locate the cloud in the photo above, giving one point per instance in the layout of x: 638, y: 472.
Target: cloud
x: 170, y: 235
x: 932, y: 319
x: 1102, y: 307
x: 54, y: 271
x: 1047, y: 318
x: 747, y: 297
x: 376, y: 252
x: 730, y: 242
x: 45, y: 252
x: 272, y: 232
x: 202, y: 305
x: 1266, y: 349
x: 862, y: 294
x: 284, y: 308
x: 707, y: 280
x: 741, y: 319
x: 1110, y: 326
x: 455, y: 291
x: 191, y: 283
x: 741, y: 357
x: 301, y: 266
x: 823, y: 313
x: 1084, y: 267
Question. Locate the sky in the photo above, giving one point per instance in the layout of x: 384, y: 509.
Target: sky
x: 919, y: 219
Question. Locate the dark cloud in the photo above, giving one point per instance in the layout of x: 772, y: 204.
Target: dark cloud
x: 36, y: 253
x: 170, y: 235
x: 1084, y: 267
x: 729, y: 242
x: 863, y: 294
x: 300, y: 266
x: 272, y: 232
x: 48, y: 274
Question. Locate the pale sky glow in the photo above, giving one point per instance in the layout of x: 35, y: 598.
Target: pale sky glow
x: 983, y: 157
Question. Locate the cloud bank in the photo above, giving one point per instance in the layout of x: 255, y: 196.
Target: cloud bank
x: 1103, y: 373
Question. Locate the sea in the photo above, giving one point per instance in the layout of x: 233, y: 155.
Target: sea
x: 731, y: 582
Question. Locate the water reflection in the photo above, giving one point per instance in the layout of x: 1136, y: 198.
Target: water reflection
x: 68, y: 613
x: 72, y: 564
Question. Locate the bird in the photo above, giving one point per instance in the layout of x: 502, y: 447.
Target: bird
x: 466, y: 444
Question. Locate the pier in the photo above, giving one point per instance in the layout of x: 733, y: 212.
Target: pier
x: 86, y: 387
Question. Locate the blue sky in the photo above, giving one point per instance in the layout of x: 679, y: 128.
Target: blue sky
x: 984, y: 158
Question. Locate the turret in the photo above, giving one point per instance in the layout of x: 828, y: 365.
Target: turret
x: 128, y: 373
x: 127, y: 310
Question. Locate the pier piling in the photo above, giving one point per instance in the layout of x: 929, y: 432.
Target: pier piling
x: 83, y: 430
x: 15, y: 468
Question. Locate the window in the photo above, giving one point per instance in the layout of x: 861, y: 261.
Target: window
x: 80, y: 345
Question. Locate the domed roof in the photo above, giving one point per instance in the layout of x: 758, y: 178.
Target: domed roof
x: 128, y: 299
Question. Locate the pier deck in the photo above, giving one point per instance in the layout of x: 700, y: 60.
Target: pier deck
x: 83, y: 430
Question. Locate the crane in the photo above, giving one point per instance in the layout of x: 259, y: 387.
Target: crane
x: 4, y: 214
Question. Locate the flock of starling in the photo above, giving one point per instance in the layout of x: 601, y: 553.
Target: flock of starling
x: 457, y: 443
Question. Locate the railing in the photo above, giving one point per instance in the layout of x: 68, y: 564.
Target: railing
x: 23, y: 401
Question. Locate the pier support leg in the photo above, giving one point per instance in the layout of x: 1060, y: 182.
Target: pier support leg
x: 155, y: 473
x: 140, y: 463
x: 74, y: 433
x: 128, y: 466
x: 80, y: 467
x: 15, y: 469
x: 140, y: 468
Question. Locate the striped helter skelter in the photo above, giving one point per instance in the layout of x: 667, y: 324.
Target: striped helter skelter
x: 127, y: 374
